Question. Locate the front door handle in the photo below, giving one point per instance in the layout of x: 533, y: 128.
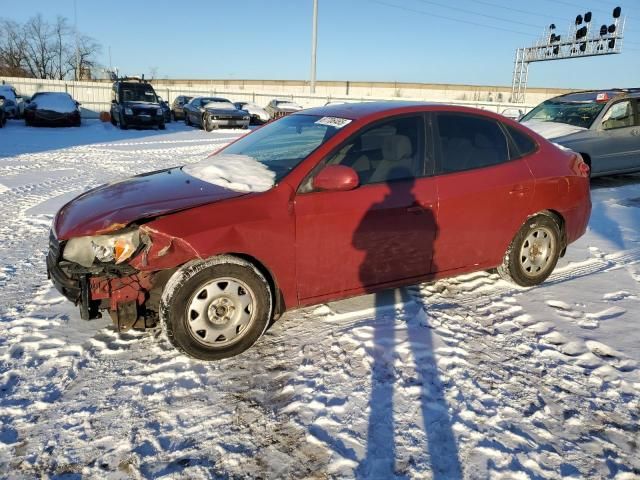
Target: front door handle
x: 418, y: 208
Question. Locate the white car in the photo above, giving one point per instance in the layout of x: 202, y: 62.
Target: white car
x: 258, y: 114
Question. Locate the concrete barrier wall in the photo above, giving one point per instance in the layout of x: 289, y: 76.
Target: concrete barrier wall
x: 96, y: 96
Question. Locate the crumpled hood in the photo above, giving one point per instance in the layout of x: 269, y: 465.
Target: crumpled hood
x: 112, y: 206
x: 552, y: 130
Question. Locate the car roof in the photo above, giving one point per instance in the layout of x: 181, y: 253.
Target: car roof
x: 355, y: 111
x: 591, y: 95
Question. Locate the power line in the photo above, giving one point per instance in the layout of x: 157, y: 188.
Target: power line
x: 492, y: 17
x: 444, y: 17
x: 528, y: 12
x: 459, y: 20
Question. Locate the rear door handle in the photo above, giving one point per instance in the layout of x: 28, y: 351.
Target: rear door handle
x: 519, y: 190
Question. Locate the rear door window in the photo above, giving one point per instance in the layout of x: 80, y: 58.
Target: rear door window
x: 468, y: 141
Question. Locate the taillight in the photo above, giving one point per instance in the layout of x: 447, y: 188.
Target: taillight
x: 579, y: 166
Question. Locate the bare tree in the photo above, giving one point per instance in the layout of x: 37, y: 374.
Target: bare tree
x: 43, y: 50
x: 61, y: 32
x: 82, y: 61
x: 39, y: 52
x: 12, y: 47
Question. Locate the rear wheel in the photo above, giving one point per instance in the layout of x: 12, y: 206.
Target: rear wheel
x: 533, y: 253
x: 216, y: 308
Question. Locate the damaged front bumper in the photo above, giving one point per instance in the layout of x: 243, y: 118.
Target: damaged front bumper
x: 120, y: 289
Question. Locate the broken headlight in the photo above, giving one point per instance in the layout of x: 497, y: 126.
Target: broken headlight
x: 116, y: 248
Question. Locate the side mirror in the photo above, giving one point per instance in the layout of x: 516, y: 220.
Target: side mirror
x: 336, y: 178
x: 113, y: 101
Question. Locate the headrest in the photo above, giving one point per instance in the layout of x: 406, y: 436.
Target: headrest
x: 396, y: 147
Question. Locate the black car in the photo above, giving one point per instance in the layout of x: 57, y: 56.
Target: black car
x: 177, y: 106
x: 166, y: 109
x: 134, y: 103
x: 212, y: 113
x: 52, y: 109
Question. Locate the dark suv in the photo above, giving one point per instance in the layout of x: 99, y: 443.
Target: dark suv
x: 134, y: 103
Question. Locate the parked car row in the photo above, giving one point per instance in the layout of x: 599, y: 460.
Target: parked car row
x: 214, y: 112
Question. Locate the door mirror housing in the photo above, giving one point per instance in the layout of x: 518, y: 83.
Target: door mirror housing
x: 336, y: 178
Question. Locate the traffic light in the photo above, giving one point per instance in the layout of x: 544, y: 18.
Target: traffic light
x: 581, y: 33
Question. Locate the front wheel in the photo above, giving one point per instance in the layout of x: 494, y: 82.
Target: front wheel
x: 187, y: 120
x: 216, y: 308
x: 533, y: 253
x: 206, y: 124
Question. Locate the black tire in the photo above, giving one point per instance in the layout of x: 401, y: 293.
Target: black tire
x: 113, y: 120
x: 123, y: 124
x: 533, y: 253
x: 185, y: 289
x: 173, y: 116
x: 162, y: 126
x: 187, y: 120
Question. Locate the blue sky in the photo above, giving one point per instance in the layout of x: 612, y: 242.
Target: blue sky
x: 378, y: 40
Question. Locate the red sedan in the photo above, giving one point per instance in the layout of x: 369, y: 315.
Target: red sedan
x: 323, y: 204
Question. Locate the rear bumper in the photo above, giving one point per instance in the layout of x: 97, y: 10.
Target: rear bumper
x: 577, y: 220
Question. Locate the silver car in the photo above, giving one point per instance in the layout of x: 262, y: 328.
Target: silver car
x: 280, y: 108
x: 212, y: 113
x: 603, y: 126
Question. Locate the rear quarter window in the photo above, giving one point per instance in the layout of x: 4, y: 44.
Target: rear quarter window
x: 524, y: 144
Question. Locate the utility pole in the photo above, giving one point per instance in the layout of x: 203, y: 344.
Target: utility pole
x: 314, y: 46
x: 75, y: 23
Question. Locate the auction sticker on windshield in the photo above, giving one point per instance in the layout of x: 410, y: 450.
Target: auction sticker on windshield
x: 336, y: 122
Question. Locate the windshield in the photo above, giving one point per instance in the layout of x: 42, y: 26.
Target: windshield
x: 282, y: 145
x: 137, y: 93
x: 579, y: 114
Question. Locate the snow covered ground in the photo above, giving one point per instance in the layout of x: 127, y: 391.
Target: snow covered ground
x: 467, y: 377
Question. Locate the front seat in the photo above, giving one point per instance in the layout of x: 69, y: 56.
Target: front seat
x: 397, y: 159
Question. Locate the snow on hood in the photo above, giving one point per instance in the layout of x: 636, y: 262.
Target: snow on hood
x: 55, y: 103
x: 235, y: 172
x: 552, y: 129
x: 221, y: 105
